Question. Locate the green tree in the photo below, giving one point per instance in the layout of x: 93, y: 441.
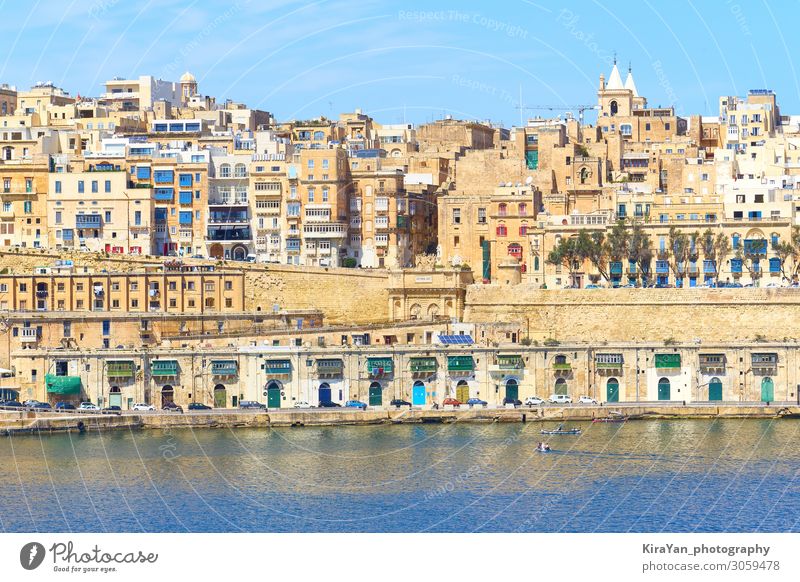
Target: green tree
x: 678, y: 251
x: 640, y: 251
x: 567, y: 254
x: 593, y: 248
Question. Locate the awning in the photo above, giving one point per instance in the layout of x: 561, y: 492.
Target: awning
x: 62, y: 384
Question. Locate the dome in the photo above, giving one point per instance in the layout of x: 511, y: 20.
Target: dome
x: 187, y: 77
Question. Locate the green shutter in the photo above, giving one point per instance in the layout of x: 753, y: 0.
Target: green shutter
x: 532, y: 159
x: 423, y: 364
x: 668, y: 360
x: 460, y: 363
x: 164, y: 368
x: 224, y: 367
x: 120, y: 369
x: 507, y: 362
x: 376, y: 366
x: 278, y: 367
x: 62, y: 384
x: 487, y: 262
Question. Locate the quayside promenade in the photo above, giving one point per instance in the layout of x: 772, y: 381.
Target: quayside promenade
x: 29, y: 422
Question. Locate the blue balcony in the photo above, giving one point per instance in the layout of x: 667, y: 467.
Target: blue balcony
x: 709, y: 267
x: 185, y: 197
x: 88, y: 221
x: 736, y: 265
x: 164, y: 176
x: 774, y: 265
x: 662, y: 267
x: 225, y: 233
x: 755, y: 246
x: 164, y: 194
x: 616, y: 268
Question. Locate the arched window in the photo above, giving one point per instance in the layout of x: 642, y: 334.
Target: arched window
x: 502, y: 209
x: 736, y: 238
x: 225, y: 171
x: 584, y: 175
x: 319, y: 135
x: 523, y: 209
x: 626, y: 129
x: 614, y: 108
x: 240, y: 171
x: 775, y: 239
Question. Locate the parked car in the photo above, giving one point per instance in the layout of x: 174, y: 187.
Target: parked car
x: 398, y: 403
x: 198, y: 406
x: 533, y: 401
x: 172, y: 407
x: 355, y: 404
x: 329, y: 404
x: 143, y: 407
x: 30, y: 402
x: 43, y: 406
x: 88, y: 406
x: 113, y: 408
x: 252, y: 404
x: 513, y: 401
x: 592, y: 286
x: 559, y: 399
x: 451, y: 402
x: 65, y: 406
x: 586, y: 400
x: 12, y: 404
x: 477, y: 402
x: 302, y: 404
x: 198, y: 257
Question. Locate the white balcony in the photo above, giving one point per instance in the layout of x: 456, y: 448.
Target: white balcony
x: 323, y: 230
x: 28, y: 335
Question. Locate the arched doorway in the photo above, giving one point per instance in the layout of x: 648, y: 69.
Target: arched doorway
x: 375, y: 394
x: 433, y: 311
x: 215, y: 251
x: 612, y: 390
x: 561, y: 387
x: 663, y: 389
x: 767, y: 390
x: 115, y: 396
x: 715, y: 389
x: 239, y: 253
x: 274, y: 394
x: 462, y: 391
x: 325, y: 392
x: 167, y: 395
x: 418, y: 393
x: 220, y: 396
x: 512, y: 389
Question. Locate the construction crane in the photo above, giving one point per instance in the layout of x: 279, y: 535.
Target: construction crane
x: 579, y: 108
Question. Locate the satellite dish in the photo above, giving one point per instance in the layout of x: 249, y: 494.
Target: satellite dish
x: 502, y: 184
x: 528, y: 180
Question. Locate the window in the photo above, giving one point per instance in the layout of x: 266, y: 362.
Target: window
x: 80, y: 186
x: 225, y: 171
x: 311, y: 195
x: 502, y: 209
x: 456, y: 216
x: 94, y: 186
x: 502, y: 230
x: 481, y: 216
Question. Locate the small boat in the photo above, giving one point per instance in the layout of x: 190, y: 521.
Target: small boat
x: 543, y: 448
x: 612, y: 417
x: 561, y: 430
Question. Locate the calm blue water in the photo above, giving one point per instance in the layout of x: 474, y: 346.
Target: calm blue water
x: 732, y: 475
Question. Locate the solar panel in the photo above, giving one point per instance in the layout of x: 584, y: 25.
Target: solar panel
x: 456, y: 339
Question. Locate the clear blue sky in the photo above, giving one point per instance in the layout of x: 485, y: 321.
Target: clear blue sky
x: 412, y: 60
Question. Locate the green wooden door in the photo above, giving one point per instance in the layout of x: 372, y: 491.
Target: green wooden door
x: 115, y: 399
x: 220, y: 398
x: 273, y: 396
x: 715, y: 390
x: 512, y: 390
x: 663, y: 389
x: 462, y: 392
x: 767, y: 390
x: 612, y: 390
x: 561, y: 387
x: 375, y: 395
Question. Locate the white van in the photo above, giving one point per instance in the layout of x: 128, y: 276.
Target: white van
x: 251, y: 258
x: 559, y: 399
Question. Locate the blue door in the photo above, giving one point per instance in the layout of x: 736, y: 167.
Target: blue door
x: 418, y: 394
x: 324, y: 393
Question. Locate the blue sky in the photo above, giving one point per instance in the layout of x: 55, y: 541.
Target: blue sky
x: 410, y: 60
